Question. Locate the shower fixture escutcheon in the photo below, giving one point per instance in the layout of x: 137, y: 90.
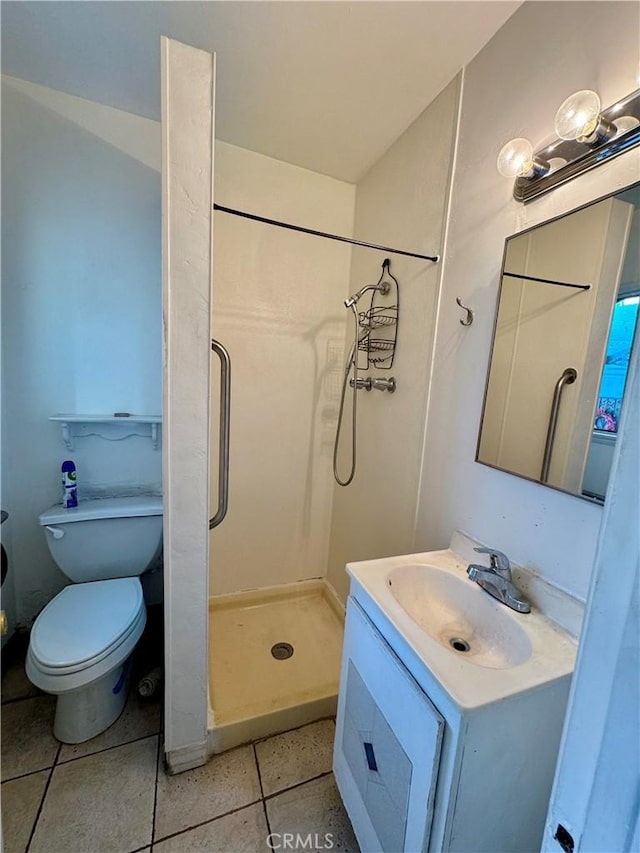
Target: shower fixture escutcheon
x: 378, y: 384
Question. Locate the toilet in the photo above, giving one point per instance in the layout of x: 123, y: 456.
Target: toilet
x: 81, y: 643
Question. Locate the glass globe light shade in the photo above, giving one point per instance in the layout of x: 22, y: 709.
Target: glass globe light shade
x: 578, y: 116
x: 515, y: 159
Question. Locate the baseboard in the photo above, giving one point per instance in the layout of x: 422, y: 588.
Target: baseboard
x: 186, y: 758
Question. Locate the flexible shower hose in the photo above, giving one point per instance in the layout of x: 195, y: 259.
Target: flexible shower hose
x: 352, y: 360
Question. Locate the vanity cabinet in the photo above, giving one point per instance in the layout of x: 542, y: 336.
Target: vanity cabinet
x: 387, y: 743
x: 418, y: 772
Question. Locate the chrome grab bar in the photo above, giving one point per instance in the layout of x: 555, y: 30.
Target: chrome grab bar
x: 568, y: 377
x: 223, y: 446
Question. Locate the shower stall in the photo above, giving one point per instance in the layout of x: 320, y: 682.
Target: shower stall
x: 275, y: 623
x: 254, y: 645
x: 281, y: 305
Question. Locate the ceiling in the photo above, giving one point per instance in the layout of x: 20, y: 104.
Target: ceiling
x: 325, y: 85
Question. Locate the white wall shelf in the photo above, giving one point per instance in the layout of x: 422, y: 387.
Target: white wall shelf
x: 109, y: 427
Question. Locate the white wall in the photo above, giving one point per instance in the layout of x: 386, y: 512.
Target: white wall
x: 400, y: 202
x: 595, y: 793
x: 513, y: 88
x: 81, y: 239
x: 81, y: 299
x: 278, y: 308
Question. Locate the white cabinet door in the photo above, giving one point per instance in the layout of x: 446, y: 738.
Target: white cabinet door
x: 387, y: 744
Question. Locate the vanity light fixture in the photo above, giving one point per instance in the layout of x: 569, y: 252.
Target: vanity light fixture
x: 587, y: 137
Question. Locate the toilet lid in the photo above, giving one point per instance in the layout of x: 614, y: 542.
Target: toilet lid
x: 85, y: 621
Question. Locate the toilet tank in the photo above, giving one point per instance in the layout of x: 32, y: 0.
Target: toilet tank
x: 105, y: 538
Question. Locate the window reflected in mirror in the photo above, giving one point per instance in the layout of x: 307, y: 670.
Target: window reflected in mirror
x: 565, y: 328
x: 616, y: 364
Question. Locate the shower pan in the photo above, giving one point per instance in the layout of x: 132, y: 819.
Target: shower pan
x: 274, y: 661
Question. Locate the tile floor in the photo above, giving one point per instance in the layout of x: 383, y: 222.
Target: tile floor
x: 111, y: 794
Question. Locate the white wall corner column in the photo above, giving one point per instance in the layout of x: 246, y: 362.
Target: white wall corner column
x: 595, y: 793
x: 188, y: 88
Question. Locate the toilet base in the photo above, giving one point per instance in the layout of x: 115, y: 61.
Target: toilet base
x: 84, y: 713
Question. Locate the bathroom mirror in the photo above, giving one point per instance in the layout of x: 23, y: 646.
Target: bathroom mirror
x: 565, y: 326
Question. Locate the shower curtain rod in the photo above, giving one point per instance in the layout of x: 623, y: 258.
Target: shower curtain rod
x: 433, y: 258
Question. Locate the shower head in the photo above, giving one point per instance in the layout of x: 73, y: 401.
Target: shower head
x: 383, y: 287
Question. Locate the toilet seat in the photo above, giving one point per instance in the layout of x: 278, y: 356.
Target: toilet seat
x: 84, y: 623
x: 85, y: 631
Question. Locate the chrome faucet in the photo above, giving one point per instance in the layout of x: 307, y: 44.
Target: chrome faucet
x: 496, y: 580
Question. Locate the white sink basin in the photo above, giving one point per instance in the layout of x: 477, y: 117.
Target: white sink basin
x: 449, y: 609
x: 422, y: 602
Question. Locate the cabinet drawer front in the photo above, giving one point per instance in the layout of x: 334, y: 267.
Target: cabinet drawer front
x: 387, y: 743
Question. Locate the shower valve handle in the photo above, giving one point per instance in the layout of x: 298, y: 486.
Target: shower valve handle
x: 375, y: 384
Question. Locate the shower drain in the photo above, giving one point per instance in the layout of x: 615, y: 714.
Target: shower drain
x: 282, y: 651
x: 459, y: 644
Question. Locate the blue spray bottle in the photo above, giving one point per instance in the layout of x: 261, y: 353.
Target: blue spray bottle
x: 70, y: 496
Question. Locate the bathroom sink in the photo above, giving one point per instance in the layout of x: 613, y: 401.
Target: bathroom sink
x: 452, y: 612
x: 434, y: 616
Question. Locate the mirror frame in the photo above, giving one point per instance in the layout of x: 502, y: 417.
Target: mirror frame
x: 636, y: 343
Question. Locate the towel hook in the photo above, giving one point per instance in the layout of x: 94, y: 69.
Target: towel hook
x: 468, y: 320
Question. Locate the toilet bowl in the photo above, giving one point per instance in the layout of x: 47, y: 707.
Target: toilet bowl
x: 81, y: 643
x: 80, y: 650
